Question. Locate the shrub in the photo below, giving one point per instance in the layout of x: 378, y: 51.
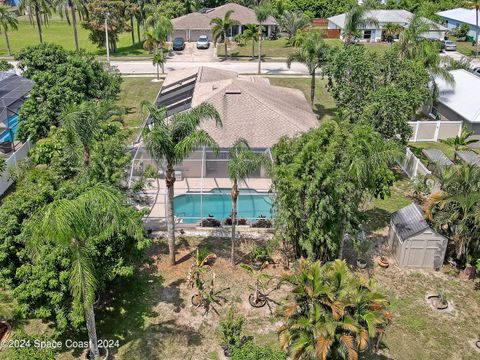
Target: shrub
x: 242, y: 221
x: 231, y: 329
x: 262, y: 222
x: 5, y: 65
x: 250, y: 351
x: 210, y: 222
x: 259, y: 253
x: 29, y: 351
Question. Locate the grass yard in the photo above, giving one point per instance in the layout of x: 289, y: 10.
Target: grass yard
x: 417, y: 148
x: 324, y: 105
x: 134, y: 91
x: 464, y: 47
x: 59, y: 32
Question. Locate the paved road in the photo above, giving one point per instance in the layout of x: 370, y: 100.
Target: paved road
x: 458, y: 56
x: 242, y: 67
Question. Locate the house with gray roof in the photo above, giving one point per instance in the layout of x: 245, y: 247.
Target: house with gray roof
x: 373, y: 32
x: 413, y: 242
x: 457, y: 17
x: 192, y: 26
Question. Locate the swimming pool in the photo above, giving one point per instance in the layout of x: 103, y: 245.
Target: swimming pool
x: 218, y: 203
x: 6, y: 135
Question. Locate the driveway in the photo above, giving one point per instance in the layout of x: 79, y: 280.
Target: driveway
x: 191, y: 53
x: 458, y: 56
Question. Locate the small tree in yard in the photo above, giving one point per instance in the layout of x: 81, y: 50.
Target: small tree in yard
x: 460, y: 142
x: 155, y: 38
x: 170, y: 142
x: 221, y: 28
x: 331, y: 313
x: 251, y: 33
x: 313, y: 53
x: 72, y: 224
x: 262, y: 12
x: 243, y: 162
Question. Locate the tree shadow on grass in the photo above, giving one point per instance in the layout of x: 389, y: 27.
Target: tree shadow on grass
x: 376, y: 219
x: 323, y: 111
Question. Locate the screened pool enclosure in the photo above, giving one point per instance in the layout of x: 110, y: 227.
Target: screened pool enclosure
x: 202, y: 189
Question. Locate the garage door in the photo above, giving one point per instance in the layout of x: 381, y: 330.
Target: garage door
x: 195, y: 34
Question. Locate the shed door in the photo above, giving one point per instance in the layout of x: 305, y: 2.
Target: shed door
x: 420, y: 251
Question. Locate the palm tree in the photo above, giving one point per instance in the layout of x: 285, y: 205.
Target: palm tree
x: 331, y: 314
x: 8, y: 20
x: 242, y: 163
x: 390, y: 30
x: 170, y: 141
x: 72, y: 224
x: 155, y: 37
x: 82, y: 123
x: 251, y: 33
x: 313, y: 53
x: 475, y: 4
x: 262, y: 12
x: 293, y: 21
x: 355, y: 20
x: 75, y: 7
x: 39, y: 8
x: 454, y: 209
x: 132, y: 10
x: 460, y: 142
x: 221, y: 28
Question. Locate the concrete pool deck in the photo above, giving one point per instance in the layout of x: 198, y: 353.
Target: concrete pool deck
x: 156, y: 218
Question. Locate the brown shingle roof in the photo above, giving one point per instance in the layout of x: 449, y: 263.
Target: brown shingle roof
x: 198, y: 20
x: 251, y: 109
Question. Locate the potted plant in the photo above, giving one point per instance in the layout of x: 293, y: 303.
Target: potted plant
x: 439, y: 300
x: 210, y: 221
x: 262, y: 222
x: 383, y: 262
x: 362, y: 247
x: 258, y: 256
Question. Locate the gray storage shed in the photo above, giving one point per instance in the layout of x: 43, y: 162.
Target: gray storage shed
x: 414, y: 243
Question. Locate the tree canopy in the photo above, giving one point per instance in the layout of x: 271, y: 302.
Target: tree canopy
x: 322, y: 177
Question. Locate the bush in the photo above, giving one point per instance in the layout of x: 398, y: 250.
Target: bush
x: 231, y: 329
x: 210, y: 222
x: 259, y: 253
x: 241, y: 221
x: 5, y: 65
x: 262, y: 222
x: 250, y: 351
x: 29, y: 351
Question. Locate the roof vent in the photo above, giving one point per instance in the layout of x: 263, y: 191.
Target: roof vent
x: 233, y: 92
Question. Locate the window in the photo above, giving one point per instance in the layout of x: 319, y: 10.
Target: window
x: 367, y: 34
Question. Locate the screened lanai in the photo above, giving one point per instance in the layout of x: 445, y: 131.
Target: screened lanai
x: 249, y: 108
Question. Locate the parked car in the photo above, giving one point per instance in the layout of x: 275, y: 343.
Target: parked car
x: 476, y: 71
x: 202, y: 42
x: 178, y: 44
x: 449, y: 45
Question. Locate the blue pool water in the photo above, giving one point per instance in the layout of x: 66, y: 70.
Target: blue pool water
x: 218, y: 203
x: 12, y: 123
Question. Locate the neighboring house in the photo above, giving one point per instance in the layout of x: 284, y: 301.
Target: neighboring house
x: 195, y: 24
x: 456, y: 17
x: 13, y: 91
x: 459, y: 102
x: 374, y: 32
x: 413, y: 242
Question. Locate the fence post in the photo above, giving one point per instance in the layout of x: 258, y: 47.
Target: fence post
x: 437, y: 130
x: 416, y: 130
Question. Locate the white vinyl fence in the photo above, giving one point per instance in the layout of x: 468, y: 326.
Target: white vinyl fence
x: 20, y: 154
x: 435, y: 130
x: 412, y: 165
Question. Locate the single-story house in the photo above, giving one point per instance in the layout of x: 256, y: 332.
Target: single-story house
x: 193, y: 25
x: 460, y: 101
x: 374, y: 32
x: 456, y: 17
x: 413, y: 242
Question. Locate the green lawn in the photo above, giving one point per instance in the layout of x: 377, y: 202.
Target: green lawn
x: 417, y: 148
x: 324, y: 105
x: 464, y: 47
x: 59, y: 32
x: 134, y: 91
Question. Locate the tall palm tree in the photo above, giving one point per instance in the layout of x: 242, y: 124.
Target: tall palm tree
x: 8, y: 20
x: 221, y: 28
x: 475, y: 4
x: 132, y: 10
x: 313, y: 53
x: 82, y: 123
x: 41, y: 8
x: 156, y: 35
x: 331, y: 314
x: 242, y: 163
x: 390, y: 30
x: 262, y: 12
x: 171, y: 141
x: 251, y: 33
x: 355, y: 20
x: 76, y: 7
x: 72, y: 224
